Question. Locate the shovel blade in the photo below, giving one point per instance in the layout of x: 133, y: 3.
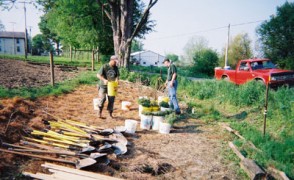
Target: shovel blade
x: 85, y: 163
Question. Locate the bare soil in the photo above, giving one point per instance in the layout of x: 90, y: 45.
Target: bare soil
x: 15, y: 73
x: 193, y: 149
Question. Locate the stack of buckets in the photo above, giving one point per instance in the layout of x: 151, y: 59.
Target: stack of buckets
x: 154, y: 122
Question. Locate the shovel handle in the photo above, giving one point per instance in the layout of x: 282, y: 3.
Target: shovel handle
x: 38, y: 156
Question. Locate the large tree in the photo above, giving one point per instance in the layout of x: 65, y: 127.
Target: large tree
x: 277, y: 36
x: 125, y: 26
x: 239, y: 48
x: 195, y: 44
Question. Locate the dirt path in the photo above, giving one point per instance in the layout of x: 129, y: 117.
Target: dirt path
x: 193, y: 150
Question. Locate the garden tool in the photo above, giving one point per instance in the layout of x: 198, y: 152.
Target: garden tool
x: 79, y: 163
x: 53, y: 135
x: 70, y: 147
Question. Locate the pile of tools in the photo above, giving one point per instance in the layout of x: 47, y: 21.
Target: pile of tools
x: 71, y: 142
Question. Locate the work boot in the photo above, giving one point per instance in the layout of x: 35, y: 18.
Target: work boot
x: 99, y: 113
x: 110, y: 114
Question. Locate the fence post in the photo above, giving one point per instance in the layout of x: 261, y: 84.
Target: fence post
x: 52, y: 68
x: 265, y: 109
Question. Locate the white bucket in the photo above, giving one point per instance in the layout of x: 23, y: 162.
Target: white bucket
x: 155, y: 122
x: 164, y: 128
x: 126, y: 105
x: 146, y: 121
x: 95, y: 103
x: 130, y: 126
x: 164, y: 109
x: 162, y: 98
x: 140, y: 110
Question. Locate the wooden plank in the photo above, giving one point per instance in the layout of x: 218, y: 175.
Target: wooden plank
x: 65, y: 175
x: 233, y: 147
x: 39, y: 176
x: 279, y: 173
x: 77, y: 172
x: 248, y: 165
x: 252, y: 169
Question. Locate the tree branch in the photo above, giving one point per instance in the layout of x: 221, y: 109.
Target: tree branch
x: 143, y: 19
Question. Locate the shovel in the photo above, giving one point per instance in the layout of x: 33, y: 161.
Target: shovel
x: 70, y: 147
x: 79, y: 163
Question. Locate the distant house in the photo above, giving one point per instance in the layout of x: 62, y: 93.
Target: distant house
x: 147, y: 58
x: 12, y: 43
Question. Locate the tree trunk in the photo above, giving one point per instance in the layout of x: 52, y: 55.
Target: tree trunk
x: 121, y: 18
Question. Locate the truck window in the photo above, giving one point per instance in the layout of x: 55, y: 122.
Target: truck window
x: 243, y: 66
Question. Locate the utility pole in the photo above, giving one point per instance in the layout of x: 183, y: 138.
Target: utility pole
x: 227, y: 48
x: 13, y: 23
x: 31, y: 43
x: 26, y: 38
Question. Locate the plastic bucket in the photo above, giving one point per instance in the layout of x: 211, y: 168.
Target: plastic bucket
x: 164, y: 109
x: 95, y: 103
x: 147, y: 109
x: 145, y: 122
x: 155, y: 108
x: 140, y: 110
x: 155, y: 122
x: 162, y: 98
x: 112, y: 88
x: 126, y: 105
x: 164, y: 128
x: 131, y: 126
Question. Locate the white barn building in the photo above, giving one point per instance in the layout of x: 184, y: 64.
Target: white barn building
x: 147, y: 58
x: 12, y: 43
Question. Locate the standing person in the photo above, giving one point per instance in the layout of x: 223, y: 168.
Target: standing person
x: 172, y: 84
x: 108, y: 72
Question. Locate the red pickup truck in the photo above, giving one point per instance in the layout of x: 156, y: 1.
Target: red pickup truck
x: 262, y: 70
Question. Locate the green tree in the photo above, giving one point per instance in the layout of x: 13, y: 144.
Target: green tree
x: 239, y: 48
x: 49, y: 35
x: 205, y: 61
x: 128, y: 20
x: 40, y: 44
x: 173, y: 57
x: 194, y: 45
x: 277, y: 36
x: 137, y: 45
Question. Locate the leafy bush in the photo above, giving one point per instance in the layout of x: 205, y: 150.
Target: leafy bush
x: 144, y: 102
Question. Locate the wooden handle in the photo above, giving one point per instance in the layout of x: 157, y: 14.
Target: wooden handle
x: 38, y: 156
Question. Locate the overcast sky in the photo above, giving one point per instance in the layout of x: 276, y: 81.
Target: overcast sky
x: 178, y: 21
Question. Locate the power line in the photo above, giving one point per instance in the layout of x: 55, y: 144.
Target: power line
x: 208, y: 30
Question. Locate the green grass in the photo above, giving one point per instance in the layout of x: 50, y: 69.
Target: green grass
x: 57, y: 60
x: 243, y: 107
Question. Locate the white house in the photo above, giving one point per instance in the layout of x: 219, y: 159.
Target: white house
x: 147, y: 58
x: 12, y: 43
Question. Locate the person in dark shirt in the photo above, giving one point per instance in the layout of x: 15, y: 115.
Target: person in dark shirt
x: 172, y: 84
x: 108, y: 72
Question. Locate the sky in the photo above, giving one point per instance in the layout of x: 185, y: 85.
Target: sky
x: 179, y: 21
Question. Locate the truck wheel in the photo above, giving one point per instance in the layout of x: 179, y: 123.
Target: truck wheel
x: 260, y: 81
x: 226, y: 78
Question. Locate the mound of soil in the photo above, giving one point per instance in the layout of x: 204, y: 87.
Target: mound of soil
x: 15, y: 74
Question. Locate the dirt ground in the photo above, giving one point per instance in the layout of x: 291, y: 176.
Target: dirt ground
x: 14, y: 73
x: 191, y: 151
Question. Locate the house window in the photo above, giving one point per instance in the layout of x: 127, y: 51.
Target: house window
x: 0, y: 48
x: 17, y: 41
x: 18, y: 49
x: 155, y: 63
x: 144, y: 62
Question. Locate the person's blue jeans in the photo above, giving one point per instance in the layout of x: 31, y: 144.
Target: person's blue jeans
x: 172, y: 94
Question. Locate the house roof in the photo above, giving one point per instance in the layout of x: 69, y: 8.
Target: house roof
x: 10, y: 34
x: 141, y: 52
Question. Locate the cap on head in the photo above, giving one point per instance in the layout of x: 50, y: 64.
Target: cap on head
x: 114, y: 57
x: 165, y: 60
